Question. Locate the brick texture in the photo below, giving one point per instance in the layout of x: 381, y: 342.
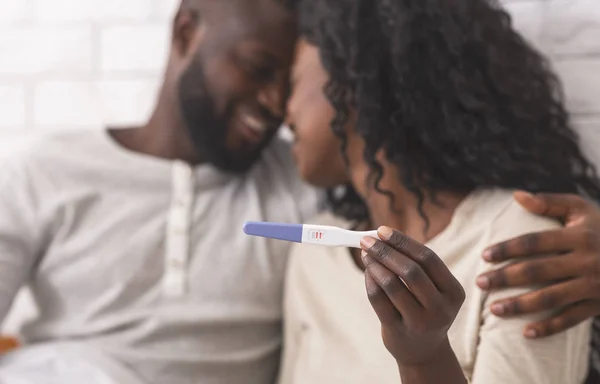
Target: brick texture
x: 78, y: 64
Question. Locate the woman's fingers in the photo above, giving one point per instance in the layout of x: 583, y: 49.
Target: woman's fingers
x: 400, y: 265
x: 395, y: 290
x: 381, y: 303
x: 429, y: 261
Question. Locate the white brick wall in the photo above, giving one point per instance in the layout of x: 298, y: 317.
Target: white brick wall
x: 76, y: 64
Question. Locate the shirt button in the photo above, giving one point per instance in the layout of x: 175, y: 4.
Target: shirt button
x: 182, y: 201
x: 179, y: 232
x: 176, y: 264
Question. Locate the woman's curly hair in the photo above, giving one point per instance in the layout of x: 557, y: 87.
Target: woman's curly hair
x: 452, y: 94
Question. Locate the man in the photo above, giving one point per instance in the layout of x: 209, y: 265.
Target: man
x: 131, y: 239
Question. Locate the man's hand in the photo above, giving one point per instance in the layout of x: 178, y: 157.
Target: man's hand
x: 573, y: 271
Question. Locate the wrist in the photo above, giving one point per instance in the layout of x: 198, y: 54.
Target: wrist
x: 441, y: 366
x: 442, y: 353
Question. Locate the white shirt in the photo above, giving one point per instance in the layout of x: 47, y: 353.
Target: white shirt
x: 333, y: 336
x: 139, y: 265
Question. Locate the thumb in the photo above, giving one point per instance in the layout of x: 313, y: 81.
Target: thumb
x: 558, y: 206
x: 531, y: 203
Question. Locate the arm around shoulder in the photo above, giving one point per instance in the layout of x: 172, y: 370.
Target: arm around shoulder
x: 504, y: 355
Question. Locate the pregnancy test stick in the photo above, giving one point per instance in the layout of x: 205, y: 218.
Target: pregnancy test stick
x: 308, y: 234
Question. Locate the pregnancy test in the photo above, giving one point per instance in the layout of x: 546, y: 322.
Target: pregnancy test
x: 326, y: 235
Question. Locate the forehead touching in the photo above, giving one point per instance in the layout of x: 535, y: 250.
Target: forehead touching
x: 308, y: 71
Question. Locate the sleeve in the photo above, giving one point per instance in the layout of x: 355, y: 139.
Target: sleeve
x: 19, y: 232
x: 504, y: 355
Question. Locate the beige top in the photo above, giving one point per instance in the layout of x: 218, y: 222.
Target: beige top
x: 332, y: 334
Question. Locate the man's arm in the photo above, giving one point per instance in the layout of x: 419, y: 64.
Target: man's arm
x: 20, y: 232
x: 574, y: 274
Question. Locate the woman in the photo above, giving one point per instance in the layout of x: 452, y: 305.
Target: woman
x: 441, y: 111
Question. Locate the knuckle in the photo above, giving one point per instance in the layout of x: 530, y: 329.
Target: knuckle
x: 549, y: 300
x: 374, y: 292
x: 398, y: 240
x: 427, y: 257
x: 368, y: 261
x: 460, y: 294
x: 513, y: 306
x: 411, y: 273
x: 457, y: 294
x: 532, y: 272
x: 559, y: 323
x: 542, y: 329
x: 500, y: 251
x: 390, y: 283
x: 382, y: 252
x: 529, y: 243
x: 498, y: 278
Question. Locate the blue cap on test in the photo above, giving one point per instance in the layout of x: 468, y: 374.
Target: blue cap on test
x: 279, y: 231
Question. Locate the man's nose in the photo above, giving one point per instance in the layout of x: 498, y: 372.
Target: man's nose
x: 274, y: 97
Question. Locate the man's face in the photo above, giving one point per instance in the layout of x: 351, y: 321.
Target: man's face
x: 234, y: 88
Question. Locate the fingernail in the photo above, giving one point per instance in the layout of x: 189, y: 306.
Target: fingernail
x: 498, y: 309
x: 483, y: 282
x: 367, y: 242
x: 363, y: 256
x: 488, y: 255
x: 531, y: 333
x: 524, y: 194
x: 536, y: 204
x: 385, y: 233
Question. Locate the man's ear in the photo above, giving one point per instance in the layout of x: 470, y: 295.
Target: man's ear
x: 185, y: 27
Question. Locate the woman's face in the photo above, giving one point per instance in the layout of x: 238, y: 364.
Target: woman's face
x: 309, y: 115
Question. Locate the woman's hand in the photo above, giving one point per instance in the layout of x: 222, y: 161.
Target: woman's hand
x: 574, y: 273
x: 414, y: 295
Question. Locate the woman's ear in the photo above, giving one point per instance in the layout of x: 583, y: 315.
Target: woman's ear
x: 185, y: 28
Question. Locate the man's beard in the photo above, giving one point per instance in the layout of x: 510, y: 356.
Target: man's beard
x: 208, y: 131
